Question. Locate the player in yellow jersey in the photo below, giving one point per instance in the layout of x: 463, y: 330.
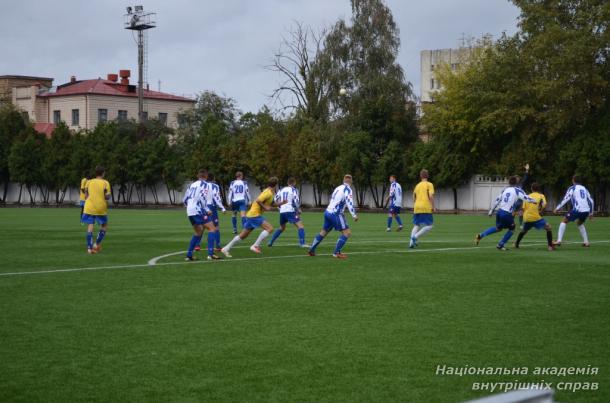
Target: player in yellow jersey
x: 255, y: 219
x: 532, y: 217
x: 97, y: 193
x: 423, y: 207
x: 82, y: 195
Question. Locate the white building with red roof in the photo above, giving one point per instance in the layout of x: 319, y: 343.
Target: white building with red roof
x: 82, y: 104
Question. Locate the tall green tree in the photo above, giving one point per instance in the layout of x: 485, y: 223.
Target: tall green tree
x: 12, y: 125
x: 362, y: 57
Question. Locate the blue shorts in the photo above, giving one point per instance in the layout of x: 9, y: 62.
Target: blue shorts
x: 254, y: 222
x: 576, y: 215
x: 214, y: 210
x: 200, y: 219
x: 92, y: 219
x: 540, y: 224
x: 334, y: 221
x: 238, y: 205
x: 395, y: 210
x: 505, y: 220
x: 423, y: 219
x: 290, y: 217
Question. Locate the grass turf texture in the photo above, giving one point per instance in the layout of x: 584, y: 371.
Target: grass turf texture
x: 372, y: 328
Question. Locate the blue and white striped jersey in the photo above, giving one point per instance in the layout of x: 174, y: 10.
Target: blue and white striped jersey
x: 196, y: 198
x: 507, y: 200
x: 290, y: 195
x: 341, y: 198
x: 395, y: 195
x: 238, y: 191
x: 216, y: 201
x: 580, y: 198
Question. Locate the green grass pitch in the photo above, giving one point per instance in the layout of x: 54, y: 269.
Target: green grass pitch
x: 287, y: 327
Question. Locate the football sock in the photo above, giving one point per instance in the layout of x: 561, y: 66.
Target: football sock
x: 340, y: 243
x: 211, y: 240
x: 100, y: 236
x: 195, y: 240
x: 519, y: 238
x: 233, y: 242
x: 301, y: 232
x: 389, y: 222
x: 316, y: 242
x: 217, y: 237
x: 423, y: 231
x: 398, y: 220
x: 562, y: 230
x: 414, y: 231
x: 506, y: 237
x: 583, y: 232
x: 489, y: 231
x: 234, y: 222
x: 275, y: 236
x: 89, y: 240
x: 549, y: 238
x: 261, y: 237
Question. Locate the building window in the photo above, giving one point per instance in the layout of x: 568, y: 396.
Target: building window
x: 56, y: 117
x: 144, y: 115
x: 102, y: 115
x: 182, y: 121
x: 431, y: 67
x: 25, y: 115
x: 75, y: 117
x: 122, y: 115
x: 431, y: 83
x: 454, y: 66
x: 163, y: 118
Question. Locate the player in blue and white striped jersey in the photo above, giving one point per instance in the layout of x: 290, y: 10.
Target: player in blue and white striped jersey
x: 238, y: 199
x: 290, y: 212
x: 196, y: 200
x: 582, y: 208
x: 216, y: 203
x: 334, y: 217
x: 395, y: 199
x: 506, y: 203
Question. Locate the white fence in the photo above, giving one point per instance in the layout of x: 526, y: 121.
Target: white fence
x: 476, y: 195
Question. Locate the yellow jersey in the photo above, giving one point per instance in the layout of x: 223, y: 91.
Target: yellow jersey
x: 83, y: 186
x: 423, y: 191
x: 265, y: 198
x: 531, y: 211
x: 96, y: 203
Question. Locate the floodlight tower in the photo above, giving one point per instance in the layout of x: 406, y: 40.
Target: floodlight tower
x: 138, y: 20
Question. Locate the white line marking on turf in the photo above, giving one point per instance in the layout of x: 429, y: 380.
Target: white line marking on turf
x: 154, y: 260
x: 146, y: 265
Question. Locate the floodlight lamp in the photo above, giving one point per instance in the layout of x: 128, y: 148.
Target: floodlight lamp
x: 139, y: 8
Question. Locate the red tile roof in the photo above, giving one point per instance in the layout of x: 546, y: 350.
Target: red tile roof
x: 104, y: 87
x: 45, y: 128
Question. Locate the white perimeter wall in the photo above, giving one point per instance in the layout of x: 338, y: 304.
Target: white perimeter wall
x: 476, y: 195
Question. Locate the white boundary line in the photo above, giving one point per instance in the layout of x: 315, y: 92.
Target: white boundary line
x: 153, y: 261
x: 146, y: 265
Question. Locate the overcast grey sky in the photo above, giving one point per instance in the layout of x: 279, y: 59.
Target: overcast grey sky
x: 214, y: 45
